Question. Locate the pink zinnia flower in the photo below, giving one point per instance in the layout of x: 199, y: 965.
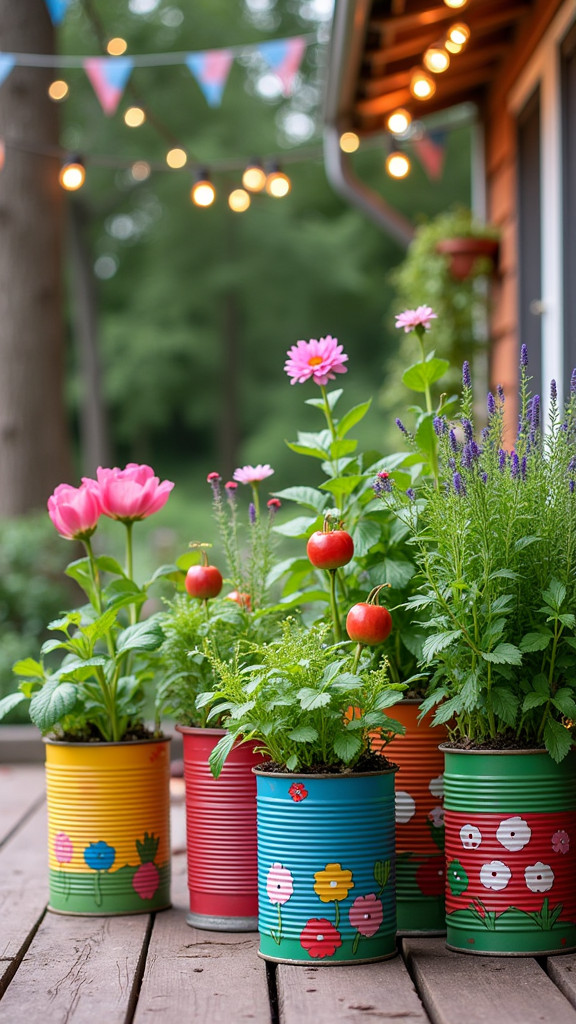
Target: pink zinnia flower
x: 279, y: 884
x: 63, y: 849
x: 75, y: 511
x: 320, y: 360
x: 252, y: 474
x: 366, y: 914
x: 412, y: 318
x: 131, y: 493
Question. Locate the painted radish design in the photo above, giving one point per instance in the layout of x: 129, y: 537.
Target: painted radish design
x: 146, y: 878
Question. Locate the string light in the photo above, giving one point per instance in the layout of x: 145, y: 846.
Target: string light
x: 422, y: 86
x: 58, y: 90
x: 397, y: 165
x: 134, y: 117
x: 176, y: 158
x: 72, y: 174
x: 399, y: 121
x: 349, y: 142
x: 117, y: 46
x: 239, y: 200
x: 456, y: 5
x: 459, y: 34
x: 140, y: 170
x: 254, y: 177
x: 278, y: 184
x: 453, y: 47
x: 203, y: 192
x: 436, y: 59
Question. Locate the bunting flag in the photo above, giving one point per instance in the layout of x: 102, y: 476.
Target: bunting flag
x: 7, y: 62
x: 2, y: 154
x: 430, y: 150
x: 211, y: 69
x: 284, y: 57
x: 57, y: 9
x: 108, y: 76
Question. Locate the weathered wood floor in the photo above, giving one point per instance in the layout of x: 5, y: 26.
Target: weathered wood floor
x: 59, y: 970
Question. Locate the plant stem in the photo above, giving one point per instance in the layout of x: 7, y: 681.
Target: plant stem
x: 357, y: 653
x: 426, y: 385
x: 334, y: 607
x: 130, y: 567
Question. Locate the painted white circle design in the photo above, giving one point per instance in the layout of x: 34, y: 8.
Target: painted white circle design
x: 514, y: 833
x: 470, y: 837
x: 539, y: 877
x: 404, y: 806
x: 436, y: 816
x: 495, y: 875
x: 436, y: 786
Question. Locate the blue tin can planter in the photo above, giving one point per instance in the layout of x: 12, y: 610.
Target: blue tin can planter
x: 326, y: 867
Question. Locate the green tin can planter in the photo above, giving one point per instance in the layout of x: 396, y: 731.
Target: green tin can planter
x: 510, y: 825
x: 326, y: 867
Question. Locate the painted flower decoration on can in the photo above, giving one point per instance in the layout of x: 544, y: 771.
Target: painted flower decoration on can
x: 63, y: 848
x: 495, y: 875
x: 539, y: 877
x: 320, y: 360
x: 298, y: 792
x: 131, y: 493
x: 431, y: 876
x: 99, y: 856
x: 333, y: 883
x: 436, y: 786
x: 436, y: 816
x: 253, y: 474
x: 514, y: 833
x: 320, y: 938
x: 405, y: 807
x: 75, y: 511
x: 366, y: 914
x: 457, y: 878
x: 279, y: 884
x: 412, y: 318
x: 470, y: 837
x: 561, y: 841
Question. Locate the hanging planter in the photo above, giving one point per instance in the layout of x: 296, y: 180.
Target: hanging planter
x: 108, y: 826
x: 510, y: 852
x: 420, y: 866
x: 220, y: 834
x: 465, y: 252
x: 326, y: 867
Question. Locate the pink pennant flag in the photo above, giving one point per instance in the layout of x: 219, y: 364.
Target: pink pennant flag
x: 2, y: 154
x: 108, y: 76
x: 211, y: 69
x: 284, y: 56
x: 431, y: 150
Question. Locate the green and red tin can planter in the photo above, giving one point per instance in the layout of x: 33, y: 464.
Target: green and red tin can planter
x: 510, y: 822
x: 220, y: 834
x: 420, y: 864
x: 108, y: 826
x: 326, y: 871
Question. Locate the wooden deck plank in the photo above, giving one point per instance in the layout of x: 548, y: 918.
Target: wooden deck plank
x: 77, y: 970
x: 21, y: 788
x: 562, y: 970
x: 457, y: 987
x: 23, y: 887
x: 348, y: 994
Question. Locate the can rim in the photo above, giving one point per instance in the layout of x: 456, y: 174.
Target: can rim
x: 459, y: 750
x: 97, y: 744
x: 205, y: 730
x: 326, y: 775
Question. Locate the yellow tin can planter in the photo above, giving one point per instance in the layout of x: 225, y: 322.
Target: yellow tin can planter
x: 108, y: 826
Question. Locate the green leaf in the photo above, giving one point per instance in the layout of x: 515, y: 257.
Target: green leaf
x: 447, y: 710
x: 332, y: 397
x: 365, y: 535
x: 310, y: 497
x: 534, y: 700
x: 292, y: 762
x: 28, y: 667
x: 507, y: 574
x: 340, y: 448
x: 397, y: 573
x: 555, y: 594
x: 143, y: 636
x: 161, y: 572
x: 557, y: 738
x: 425, y: 436
x: 107, y: 564
x: 220, y: 753
x: 343, y: 484
x: 303, y: 734
x: 347, y: 745
x: 49, y: 705
x: 523, y: 542
x: 283, y: 568
x: 311, y: 699
x: 297, y: 527
x: 439, y: 642
x: 505, y: 705
x: 420, y: 375
x: 568, y: 620
x: 12, y: 700
x: 302, y: 449
x: 535, y: 641
x: 563, y: 700
x: 352, y: 417
x: 503, y: 654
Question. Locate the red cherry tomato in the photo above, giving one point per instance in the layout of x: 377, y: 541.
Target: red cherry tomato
x: 330, y: 550
x: 241, y: 598
x: 368, y: 623
x: 203, y: 581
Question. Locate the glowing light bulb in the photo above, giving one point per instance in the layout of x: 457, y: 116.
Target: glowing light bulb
x: 58, y: 90
x: 398, y: 122
x: 436, y: 59
x: 140, y: 170
x: 422, y: 85
x: 176, y: 158
x: 455, y: 5
x: 117, y: 46
x: 203, y: 193
x: 72, y: 175
x: 239, y: 200
x: 134, y: 117
x: 254, y: 178
x: 278, y: 184
x: 459, y: 34
x: 349, y: 142
x: 453, y: 47
x: 397, y: 165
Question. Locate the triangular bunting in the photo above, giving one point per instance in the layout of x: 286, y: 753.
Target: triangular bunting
x: 57, y: 9
x: 430, y: 150
x: 7, y: 62
x: 211, y: 69
x: 108, y: 76
x: 2, y: 154
x: 284, y: 57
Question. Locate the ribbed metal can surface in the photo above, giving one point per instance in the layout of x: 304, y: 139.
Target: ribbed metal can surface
x: 220, y: 834
x: 420, y: 865
x: 326, y: 867
x: 108, y: 826
x: 510, y: 824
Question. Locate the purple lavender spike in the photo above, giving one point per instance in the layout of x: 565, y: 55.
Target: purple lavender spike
x: 466, y: 378
x: 501, y: 460
x: 523, y: 356
x: 401, y: 426
x: 467, y: 428
x: 500, y: 392
x: 411, y: 493
x: 459, y: 484
x: 553, y: 391
x: 491, y: 403
x: 252, y: 513
x: 514, y: 465
x: 453, y: 441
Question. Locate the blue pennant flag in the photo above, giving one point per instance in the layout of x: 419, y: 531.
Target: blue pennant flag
x: 57, y: 9
x: 7, y: 62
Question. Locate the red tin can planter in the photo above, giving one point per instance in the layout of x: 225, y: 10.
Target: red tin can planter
x: 420, y: 865
x: 511, y: 852
x: 220, y: 834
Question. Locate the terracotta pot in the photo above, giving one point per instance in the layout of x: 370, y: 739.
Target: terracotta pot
x: 464, y: 252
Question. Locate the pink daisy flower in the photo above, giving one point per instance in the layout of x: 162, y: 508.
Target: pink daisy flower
x: 320, y: 360
x: 252, y: 474
x: 412, y: 318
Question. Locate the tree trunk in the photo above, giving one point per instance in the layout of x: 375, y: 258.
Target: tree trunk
x: 34, y: 444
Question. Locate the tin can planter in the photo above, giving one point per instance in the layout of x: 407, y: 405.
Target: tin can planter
x: 420, y: 864
x: 108, y: 826
x: 220, y: 834
x: 326, y: 872
x: 511, y: 852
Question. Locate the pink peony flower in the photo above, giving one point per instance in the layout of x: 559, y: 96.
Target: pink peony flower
x: 412, y: 318
x: 279, y: 884
x: 366, y: 914
x: 253, y: 474
x: 320, y: 360
x: 63, y: 849
x: 561, y: 841
x: 75, y: 511
x: 131, y: 493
